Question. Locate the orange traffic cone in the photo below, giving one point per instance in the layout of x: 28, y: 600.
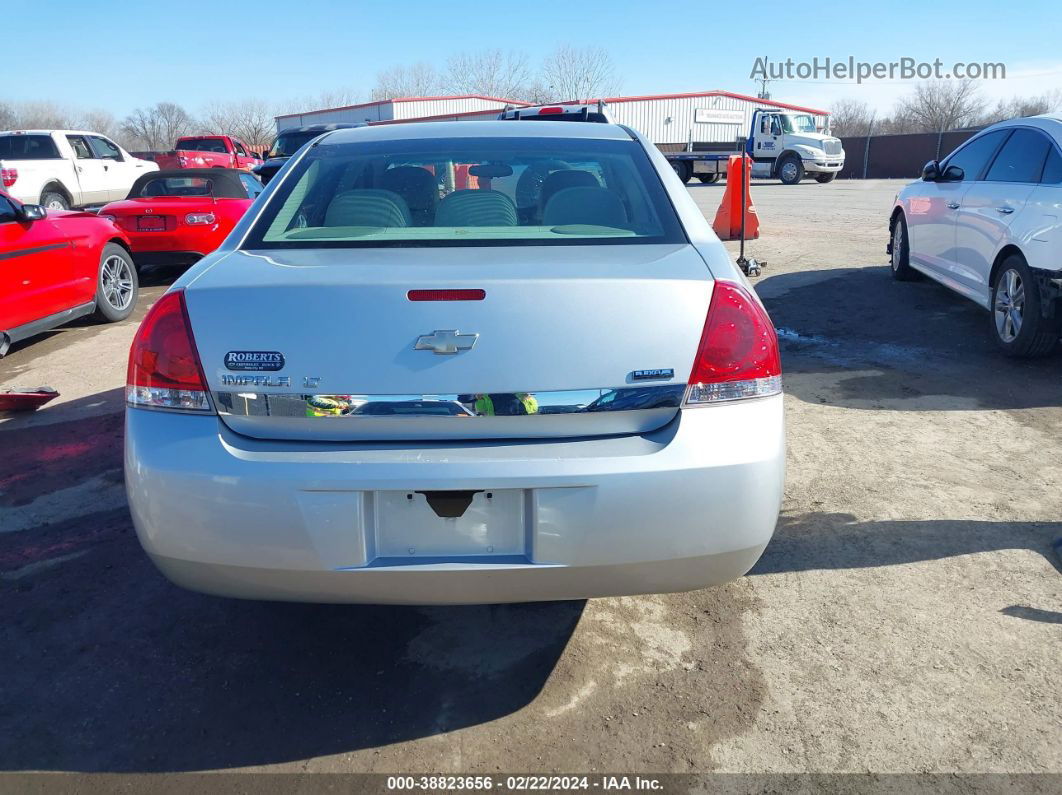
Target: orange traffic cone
x: 728, y: 218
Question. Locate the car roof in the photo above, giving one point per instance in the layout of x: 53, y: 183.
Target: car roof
x: 49, y: 132
x: 322, y: 127
x: 479, y: 129
x: 1048, y: 122
x: 225, y: 181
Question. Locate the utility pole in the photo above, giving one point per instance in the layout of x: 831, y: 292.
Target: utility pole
x: 764, y: 93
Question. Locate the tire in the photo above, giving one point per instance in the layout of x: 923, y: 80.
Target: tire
x: 683, y: 170
x: 822, y: 179
x: 52, y: 199
x: 709, y: 179
x: 117, y: 285
x: 790, y: 170
x: 901, y: 252
x: 1015, y: 320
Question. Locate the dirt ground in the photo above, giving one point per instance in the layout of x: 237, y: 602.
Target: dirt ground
x: 907, y: 616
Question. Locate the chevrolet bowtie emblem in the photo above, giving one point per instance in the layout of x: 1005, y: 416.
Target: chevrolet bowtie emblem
x: 446, y: 342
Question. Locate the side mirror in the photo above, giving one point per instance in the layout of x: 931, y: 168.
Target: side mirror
x: 28, y: 213
x: 931, y: 171
x: 953, y: 174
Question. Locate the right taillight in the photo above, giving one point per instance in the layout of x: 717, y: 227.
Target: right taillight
x: 9, y: 176
x: 738, y: 355
x: 164, y: 370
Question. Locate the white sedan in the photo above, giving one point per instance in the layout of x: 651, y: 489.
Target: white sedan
x: 987, y: 222
x: 453, y: 363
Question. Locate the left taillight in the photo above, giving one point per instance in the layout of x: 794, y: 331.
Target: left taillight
x: 9, y: 176
x: 738, y: 355
x: 164, y: 368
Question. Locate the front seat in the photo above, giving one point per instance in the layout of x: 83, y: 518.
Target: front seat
x: 418, y: 187
x: 476, y: 208
x: 367, y: 207
x: 559, y: 180
x: 586, y: 207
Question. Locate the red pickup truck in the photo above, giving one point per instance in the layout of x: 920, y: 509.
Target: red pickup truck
x: 208, y: 151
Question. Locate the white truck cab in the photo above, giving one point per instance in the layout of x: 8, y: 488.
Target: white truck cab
x: 63, y: 169
x: 790, y: 147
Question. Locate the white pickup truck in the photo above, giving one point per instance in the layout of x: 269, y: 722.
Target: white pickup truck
x: 61, y: 169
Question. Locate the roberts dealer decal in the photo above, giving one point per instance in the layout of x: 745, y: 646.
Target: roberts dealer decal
x: 254, y: 360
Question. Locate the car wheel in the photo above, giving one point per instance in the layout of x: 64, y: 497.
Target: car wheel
x: 824, y: 178
x: 790, y: 170
x: 54, y: 200
x: 683, y: 170
x: 709, y: 179
x: 117, y: 285
x: 901, y: 252
x: 1018, y: 326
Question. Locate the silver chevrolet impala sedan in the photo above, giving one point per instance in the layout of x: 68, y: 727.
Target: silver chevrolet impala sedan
x: 464, y: 362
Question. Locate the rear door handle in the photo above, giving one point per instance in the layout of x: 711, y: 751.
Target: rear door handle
x: 1005, y: 210
x: 953, y: 205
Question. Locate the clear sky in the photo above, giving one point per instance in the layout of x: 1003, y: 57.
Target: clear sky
x: 120, y: 55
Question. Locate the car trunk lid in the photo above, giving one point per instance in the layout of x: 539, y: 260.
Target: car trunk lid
x: 326, y: 344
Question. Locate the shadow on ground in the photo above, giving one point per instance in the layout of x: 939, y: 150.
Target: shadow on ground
x: 854, y: 337
x: 111, y: 668
x: 812, y: 541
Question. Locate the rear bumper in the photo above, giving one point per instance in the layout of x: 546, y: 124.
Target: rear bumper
x: 690, y: 505
x: 166, y: 257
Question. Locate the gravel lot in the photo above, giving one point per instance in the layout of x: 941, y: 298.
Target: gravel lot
x: 906, y: 618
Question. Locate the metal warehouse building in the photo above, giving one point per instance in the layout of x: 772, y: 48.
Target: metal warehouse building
x: 402, y: 109
x: 703, y: 120
x: 672, y: 121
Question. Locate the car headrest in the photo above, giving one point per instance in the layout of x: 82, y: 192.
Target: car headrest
x: 585, y: 206
x: 476, y: 208
x: 367, y: 207
x: 414, y: 184
x: 559, y: 180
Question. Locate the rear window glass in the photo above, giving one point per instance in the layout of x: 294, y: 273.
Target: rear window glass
x: 469, y: 191
x: 202, y: 145
x: 28, y: 147
x: 177, y: 186
x: 289, y: 143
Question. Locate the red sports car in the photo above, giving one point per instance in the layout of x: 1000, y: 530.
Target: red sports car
x: 176, y: 217
x: 57, y: 265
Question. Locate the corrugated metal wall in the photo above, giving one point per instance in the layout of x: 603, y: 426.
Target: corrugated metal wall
x: 376, y: 111
x: 386, y: 111
x: 437, y: 107
x: 671, y: 121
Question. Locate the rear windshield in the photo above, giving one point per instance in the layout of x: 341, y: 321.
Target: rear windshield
x: 28, y: 147
x: 289, y: 143
x: 469, y: 191
x: 202, y: 145
x: 176, y: 186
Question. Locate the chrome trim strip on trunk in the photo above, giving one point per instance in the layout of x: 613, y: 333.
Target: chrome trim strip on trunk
x: 248, y: 403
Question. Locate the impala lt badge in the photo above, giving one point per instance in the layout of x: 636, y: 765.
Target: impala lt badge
x: 446, y: 342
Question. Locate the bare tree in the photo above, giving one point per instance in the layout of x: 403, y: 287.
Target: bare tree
x: 42, y: 116
x: 574, y: 72
x: 419, y: 80
x: 254, y: 123
x: 850, y: 117
x: 493, y: 73
x: 103, y: 122
x: 8, y: 118
x: 159, y: 126
x: 937, y: 105
x: 1018, y: 107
